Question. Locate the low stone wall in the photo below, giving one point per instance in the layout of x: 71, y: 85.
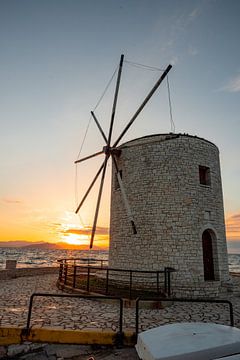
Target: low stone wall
x: 15, y: 273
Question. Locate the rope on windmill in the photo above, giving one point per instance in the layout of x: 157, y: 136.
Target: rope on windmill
x: 85, y: 135
x: 170, y: 107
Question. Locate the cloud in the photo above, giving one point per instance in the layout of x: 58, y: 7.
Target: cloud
x: 192, y: 51
x: 174, y: 60
x: 194, y: 13
x: 233, y: 226
x: 12, y: 201
x: 86, y: 231
x: 233, y: 85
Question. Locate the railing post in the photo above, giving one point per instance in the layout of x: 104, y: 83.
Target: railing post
x: 29, y: 313
x: 137, y: 315
x: 165, y: 280
x: 119, y: 338
x: 88, y: 279
x: 65, y: 273
x: 130, y: 284
x: 121, y: 316
x: 107, y: 281
x: 74, y: 275
x: 169, y: 282
x: 60, y: 272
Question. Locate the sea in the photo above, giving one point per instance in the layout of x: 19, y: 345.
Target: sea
x: 44, y: 258
x: 29, y: 258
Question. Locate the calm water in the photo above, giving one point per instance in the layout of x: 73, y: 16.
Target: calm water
x: 37, y: 257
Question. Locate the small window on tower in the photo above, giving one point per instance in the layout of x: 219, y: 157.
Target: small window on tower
x: 204, y: 175
x: 117, y: 186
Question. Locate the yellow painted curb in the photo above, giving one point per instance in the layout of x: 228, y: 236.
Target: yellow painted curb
x: 11, y: 335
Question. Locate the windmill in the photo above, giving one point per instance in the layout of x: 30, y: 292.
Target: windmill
x: 111, y: 150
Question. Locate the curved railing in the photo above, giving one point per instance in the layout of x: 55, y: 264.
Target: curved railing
x: 84, y: 261
x: 95, y: 277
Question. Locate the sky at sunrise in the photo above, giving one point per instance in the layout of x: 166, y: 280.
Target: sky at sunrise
x: 57, y: 56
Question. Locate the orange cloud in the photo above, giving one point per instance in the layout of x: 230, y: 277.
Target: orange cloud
x: 86, y: 231
x: 233, y: 227
x: 11, y: 201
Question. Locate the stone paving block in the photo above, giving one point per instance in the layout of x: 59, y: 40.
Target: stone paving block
x: 3, y: 351
x: 35, y: 356
x: 17, y: 349
x: 69, y: 351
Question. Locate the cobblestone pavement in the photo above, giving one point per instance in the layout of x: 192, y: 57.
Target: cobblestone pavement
x: 67, y: 313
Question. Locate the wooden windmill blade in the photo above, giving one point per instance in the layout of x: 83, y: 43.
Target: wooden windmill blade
x: 90, y: 188
x: 106, y: 150
x: 124, y: 196
x: 148, y: 97
x: 123, y: 191
x: 99, y: 127
x: 115, y: 99
x: 89, y: 157
x: 113, y: 151
x: 98, y: 201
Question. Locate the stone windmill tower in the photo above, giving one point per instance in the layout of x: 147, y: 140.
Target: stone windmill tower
x: 166, y: 205
x: 175, y: 193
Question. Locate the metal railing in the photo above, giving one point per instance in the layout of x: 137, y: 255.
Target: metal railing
x: 120, y: 333
x: 210, y: 301
x: 113, y: 281
x: 83, y: 261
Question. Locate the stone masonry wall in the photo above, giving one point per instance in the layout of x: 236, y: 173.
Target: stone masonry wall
x: 20, y: 272
x: 171, y: 210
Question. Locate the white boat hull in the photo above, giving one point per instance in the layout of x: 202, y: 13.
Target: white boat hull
x: 184, y: 341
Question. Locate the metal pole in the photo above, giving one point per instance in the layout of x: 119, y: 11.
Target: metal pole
x: 158, y: 282
x: 165, y: 280
x: 121, y: 316
x: 74, y: 276
x: 29, y: 312
x: 107, y: 282
x: 130, y: 289
x: 60, y: 271
x: 231, y: 313
x: 169, y: 282
x: 65, y: 274
x: 137, y: 315
x: 88, y: 279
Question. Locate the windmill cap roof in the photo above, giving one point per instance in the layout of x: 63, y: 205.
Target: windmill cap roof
x: 161, y: 137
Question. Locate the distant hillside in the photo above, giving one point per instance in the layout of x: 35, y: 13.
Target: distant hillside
x: 46, y: 245
x: 41, y: 246
x: 18, y: 243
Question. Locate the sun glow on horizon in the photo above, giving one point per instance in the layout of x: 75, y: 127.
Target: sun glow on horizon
x: 76, y: 239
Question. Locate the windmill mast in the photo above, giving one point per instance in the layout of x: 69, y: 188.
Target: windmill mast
x: 112, y: 151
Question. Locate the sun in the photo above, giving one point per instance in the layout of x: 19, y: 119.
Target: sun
x: 76, y: 239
